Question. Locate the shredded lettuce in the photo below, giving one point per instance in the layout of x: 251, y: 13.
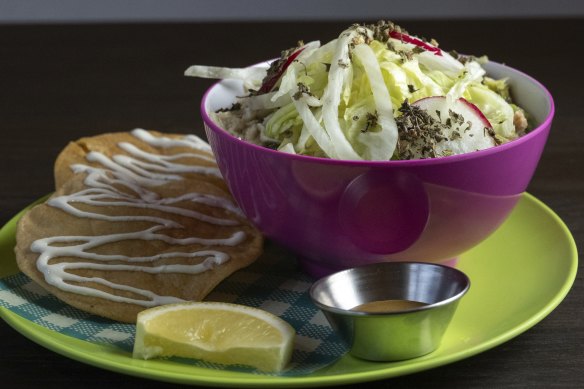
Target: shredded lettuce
x: 380, y: 144
x: 494, y: 107
x: 341, y: 100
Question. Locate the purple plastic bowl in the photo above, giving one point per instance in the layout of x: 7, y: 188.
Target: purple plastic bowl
x: 338, y: 214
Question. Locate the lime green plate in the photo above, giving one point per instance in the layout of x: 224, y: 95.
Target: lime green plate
x: 519, y: 275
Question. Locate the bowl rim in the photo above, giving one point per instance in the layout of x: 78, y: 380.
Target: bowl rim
x: 545, y: 124
x: 347, y: 312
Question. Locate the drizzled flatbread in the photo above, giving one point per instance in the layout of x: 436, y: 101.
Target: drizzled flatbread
x: 135, y: 222
x: 180, y: 149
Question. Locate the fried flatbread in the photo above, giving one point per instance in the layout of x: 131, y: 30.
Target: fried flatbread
x: 180, y: 149
x: 114, y: 242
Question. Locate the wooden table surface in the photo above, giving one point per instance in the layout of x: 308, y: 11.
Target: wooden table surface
x: 58, y: 83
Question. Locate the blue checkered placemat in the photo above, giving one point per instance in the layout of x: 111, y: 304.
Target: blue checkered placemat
x: 272, y: 283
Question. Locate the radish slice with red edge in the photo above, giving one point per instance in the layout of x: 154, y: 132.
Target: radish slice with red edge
x: 415, y: 41
x: 269, y: 84
x: 464, y: 125
x: 470, y: 110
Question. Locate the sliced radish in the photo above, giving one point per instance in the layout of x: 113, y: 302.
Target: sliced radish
x: 465, y: 127
x: 415, y: 41
x: 476, y: 111
x: 269, y: 84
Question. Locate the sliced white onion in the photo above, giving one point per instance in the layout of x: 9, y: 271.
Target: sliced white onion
x: 444, y: 63
x: 288, y: 148
x: 472, y: 72
x: 321, y: 55
x: 303, y: 138
x: 217, y: 72
x: 331, y: 98
x: 381, y: 144
x: 308, y: 50
x: 315, y: 129
x: 288, y: 82
x: 264, y: 101
x: 251, y: 76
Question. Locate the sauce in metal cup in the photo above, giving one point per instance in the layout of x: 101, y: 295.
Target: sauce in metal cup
x: 391, y: 310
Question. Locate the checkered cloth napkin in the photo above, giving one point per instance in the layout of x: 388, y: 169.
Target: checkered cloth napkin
x: 272, y: 283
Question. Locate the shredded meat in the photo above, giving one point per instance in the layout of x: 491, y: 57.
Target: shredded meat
x: 520, y: 122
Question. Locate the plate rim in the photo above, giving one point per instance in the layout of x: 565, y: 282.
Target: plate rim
x: 61, y: 344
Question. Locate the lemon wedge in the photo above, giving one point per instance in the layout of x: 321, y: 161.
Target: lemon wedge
x: 228, y: 334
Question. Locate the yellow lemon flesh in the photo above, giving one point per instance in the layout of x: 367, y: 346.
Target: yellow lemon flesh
x: 228, y: 334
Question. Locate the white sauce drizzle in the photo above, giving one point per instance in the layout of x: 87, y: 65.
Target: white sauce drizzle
x: 135, y: 172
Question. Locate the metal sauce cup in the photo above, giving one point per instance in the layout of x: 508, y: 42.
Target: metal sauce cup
x: 391, y: 335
